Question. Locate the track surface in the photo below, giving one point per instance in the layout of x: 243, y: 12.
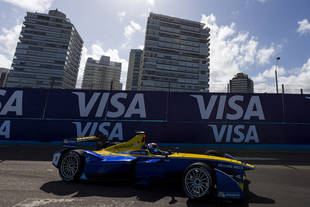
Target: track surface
x: 25, y: 181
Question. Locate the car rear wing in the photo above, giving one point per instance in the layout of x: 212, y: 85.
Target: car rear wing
x: 100, y: 140
x: 135, y: 143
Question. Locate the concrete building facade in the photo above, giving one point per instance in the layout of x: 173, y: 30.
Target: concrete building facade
x: 102, y: 74
x: 48, y: 52
x: 241, y: 83
x: 133, y: 69
x: 176, y: 55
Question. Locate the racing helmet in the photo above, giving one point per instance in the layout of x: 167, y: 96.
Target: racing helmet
x: 152, y: 146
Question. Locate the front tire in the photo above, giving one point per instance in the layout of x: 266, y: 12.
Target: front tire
x: 71, y: 166
x: 197, y: 181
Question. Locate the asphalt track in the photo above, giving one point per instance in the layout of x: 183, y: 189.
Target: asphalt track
x: 27, y: 179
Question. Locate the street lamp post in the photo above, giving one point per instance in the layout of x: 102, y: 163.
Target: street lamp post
x: 276, y: 74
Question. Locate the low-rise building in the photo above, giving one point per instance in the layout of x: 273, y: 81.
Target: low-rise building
x: 241, y: 83
x: 102, y: 74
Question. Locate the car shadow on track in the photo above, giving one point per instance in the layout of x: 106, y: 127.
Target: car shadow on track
x: 250, y: 198
x: 149, y: 193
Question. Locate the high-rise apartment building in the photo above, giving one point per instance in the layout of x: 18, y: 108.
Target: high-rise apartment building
x: 48, y: 52
x: 176, y: 55
x: 4, y: 72
x: 241, y: 83
x: 133, y: 69
x: 102, y: 74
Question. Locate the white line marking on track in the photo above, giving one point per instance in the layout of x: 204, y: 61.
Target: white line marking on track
x: 34, y: 202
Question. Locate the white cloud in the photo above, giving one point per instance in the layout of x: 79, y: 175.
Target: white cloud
x: 151, y: 2
x: 293, y: 79
x: 270, y: 73
x: 264, y: 54
x: 32, y: 5
x: 304, y: 27
x: 135, y: 25
x: 230, y: 52
x: 306, y: 66
x: 130, y: 29
x: 248, y: 51
x: 126, y: 45
x: 226, y: 31
x: 8, y: 42
x: 5, y: 62
x: 121, y: 15
x: 141, y: 47
x: 298, y: 80
x: 265, y: 87
x: 258, y: 79
x: 96, y: 52
x: 9, y: 38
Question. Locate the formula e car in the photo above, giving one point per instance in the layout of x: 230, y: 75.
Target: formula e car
x: 201, y: 174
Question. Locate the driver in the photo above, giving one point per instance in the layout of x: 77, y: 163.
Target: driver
x: 153, y: 148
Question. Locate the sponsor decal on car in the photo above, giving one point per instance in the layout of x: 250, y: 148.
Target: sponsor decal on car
x: 56, y: 157
x: 223, y: 165
x: 229, y: 195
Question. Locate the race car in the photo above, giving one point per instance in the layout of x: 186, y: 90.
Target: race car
x: 201, y: 175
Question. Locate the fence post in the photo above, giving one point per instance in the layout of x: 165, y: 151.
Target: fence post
x: 283, y: 108
x: 301, y: 91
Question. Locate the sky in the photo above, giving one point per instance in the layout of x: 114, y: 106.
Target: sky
x: 246, y: 35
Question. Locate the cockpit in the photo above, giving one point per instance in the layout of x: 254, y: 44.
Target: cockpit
x: 154, y: 149
x: 150, y: 149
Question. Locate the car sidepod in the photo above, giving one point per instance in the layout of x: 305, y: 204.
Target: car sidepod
x: 107, y: 165
x: 150, y: 169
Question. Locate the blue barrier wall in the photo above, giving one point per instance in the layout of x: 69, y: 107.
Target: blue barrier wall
x: 196, y: 118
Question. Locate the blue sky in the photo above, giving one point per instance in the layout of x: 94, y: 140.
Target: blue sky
x: 246, y: 35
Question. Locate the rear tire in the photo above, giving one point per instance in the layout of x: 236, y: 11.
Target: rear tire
x: 197, y: 181
x: 71, y: 166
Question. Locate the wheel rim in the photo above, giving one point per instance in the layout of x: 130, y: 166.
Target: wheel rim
x: 197, y: 182
x: 69, y: 166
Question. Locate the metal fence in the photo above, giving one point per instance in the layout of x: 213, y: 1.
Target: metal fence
x: 283, y: 88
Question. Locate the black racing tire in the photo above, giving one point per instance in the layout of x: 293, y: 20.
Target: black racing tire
x: 198, y: 181
x: 71, y: 165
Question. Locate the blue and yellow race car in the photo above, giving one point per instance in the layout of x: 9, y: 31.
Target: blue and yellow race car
x: 201, y: 174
